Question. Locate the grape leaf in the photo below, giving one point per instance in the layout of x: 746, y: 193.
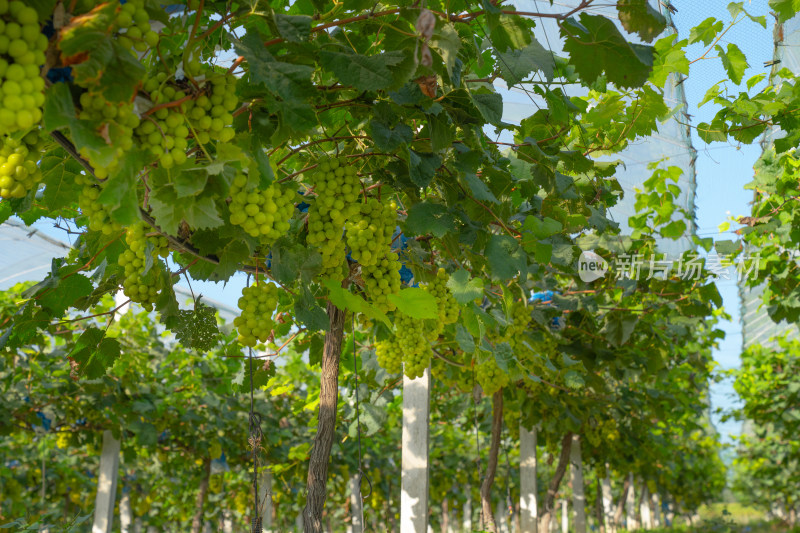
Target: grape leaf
x: 505, y: 257
x: 489, y: 104
x: 464, y: 289
x: 416, y: 303
x: 422, y: 167
x: 637, y: 16
x: 734, y: 62
x: 388, y: 139
x: 93, y: 353
x: 196, y: 328
x: 427, y: 217
x: 293, y: 28
x: 365, y: 73
x: 595, y: 45
x: 516, y: 65
x: 706, y: 31
x: 290, y: 81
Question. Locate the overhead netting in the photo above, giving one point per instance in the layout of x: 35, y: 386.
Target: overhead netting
x: 26, y: 254
x: 671, y: 146
x: 757, y: 326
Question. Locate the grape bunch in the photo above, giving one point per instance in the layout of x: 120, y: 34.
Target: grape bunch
x: 257, y: 303
x: 490, y: 377
x: 381, y: 280
x: 143, y: 274
x: 337, y: 186
x: 369, y: 232
x: 264, y: 213
x: 389, y: 355
x: 22, y: 48
x: 118, y: 122
x: 516, y: 332
x: 133, y: 23
x: 448, y: 307
x: 98, y: 214
x: 414, y: 346
x: 211, y: 113
x: 19, y: 172
x: 164, y: 132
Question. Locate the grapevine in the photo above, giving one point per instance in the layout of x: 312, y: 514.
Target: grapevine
x: 98, y: 215
x: 490, y: 377
x: 117, y: 122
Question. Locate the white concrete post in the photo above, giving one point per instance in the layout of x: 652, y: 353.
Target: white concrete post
x: 265, y: 500
x: 298, y: 523
x: 655, y: 507
x: 414, y: 480
x: 466, y: 513
x: 356, y: 509
x: 227, y: 523
x: 644, y: 508
x: 207, y: 527
x: 630, y: 504
x: 137, y: 526
x: 125, y: 513
x: 576, y: 476
x: 106, y: 485
x: 564, y: 516
x: 151, y: 529
x: 608, y: 503
x: 501, y: 517
x: 528, y: 510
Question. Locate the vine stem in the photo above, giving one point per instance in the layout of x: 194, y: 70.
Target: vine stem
x: 491, y: 467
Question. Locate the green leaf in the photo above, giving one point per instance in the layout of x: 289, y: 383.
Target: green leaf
x: 595, y: 45
x: 59, y: 109
x: 94, y: 354
x: 543, y: 252
x: 365, y: 73
x: 669, y: 57
x: 263, y: 370
x: 479, y: 189
x: 68, y: 289
x: 734, y: 62
x: 388, y: 139
x: 293, y: 28
x: 727, y: 247
x: 310, y: 314
x: 119, y: 191
x: 422, y: 167
x: 706, y: 31
x: 59, y: 171
x: 464, y: 339
x: 516, y: 65
x: 785, y: 9
x: 447, y: 42
x: 637, y: 16
x: 196, y: 329
x: 573, y: 380
x: 427, y: 217
x: 619, y: 327
x: 464, y: 289
x: 416, y: 303
x: 344, y: 299
x: 673, y: 230
x: 542, y: 228
x: 505, y: 257
x: 290, y: 81
x: 489, y: 104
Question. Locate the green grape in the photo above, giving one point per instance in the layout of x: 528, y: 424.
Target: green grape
x: 257, y: 304
x: 264, y: 213
x: 369, y: 232
x: 448, y: 307
x: 22, y: 48
x: 389, y: 355
x: 211, y: 113
x: 143, y: 274
x: 490, y: 377
x: 98, y: 214
x: 337, y: 186
x: 19, y: 172
x: 133, y: 24
x: 411, y: 339
x: 117, y: 121
x: 382, y: 280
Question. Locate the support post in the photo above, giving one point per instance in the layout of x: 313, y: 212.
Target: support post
x: 576, y: 477
x: 125, y: 514
x: 414, y: 478
x: 356, y: 509
x: 644, y: 508
x: 630, y: 504
x: 466, y: 512
x: 564, y: 516
x: 265, y: 500
x: 655, y: 510
x: 527, y: 480
x: 608, y: 507
x: 501, y: 517
x: 106, y: 484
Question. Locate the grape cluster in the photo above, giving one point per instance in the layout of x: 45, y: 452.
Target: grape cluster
x: 211, y: 113
x: 118, y: 122
x: 19, y: 172
x: 448, y: 307
x: 98, y: 214
x: 413, y: 344
x: 22, y: 48
x: 133, y: 22
x: 264, y: 213
x: 337, y: 186
x: 381, y: 280
x: 143, y: 279
x: 257, y: 303
x: 164, y: 132
x: 369, y: 233
x: 515, y: 333
x: 490, y: 377
x: 389, y: 355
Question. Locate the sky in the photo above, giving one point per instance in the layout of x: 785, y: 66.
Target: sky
x: 722, y: 169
